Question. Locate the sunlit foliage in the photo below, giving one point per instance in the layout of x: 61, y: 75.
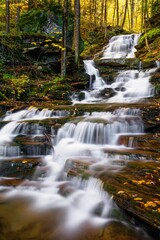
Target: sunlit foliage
x: 94, y: 13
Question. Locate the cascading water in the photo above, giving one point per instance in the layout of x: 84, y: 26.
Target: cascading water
x: 128, y: 86
x: 79, y: 202
x: 122, y: 46
x: 65, y: 206
x: 91, y: 70
x: 131, y: 86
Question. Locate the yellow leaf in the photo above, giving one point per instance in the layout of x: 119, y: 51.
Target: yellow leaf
x: 138, y: 199
x: 149, y: 182
x: 120, y: 192
x: 134, y: 181
x: 158, y: 202
x: 158, y: 210
x: 125, y: 183
x: 24, y: 161
x: 140, y: 182
x: 150, y: 204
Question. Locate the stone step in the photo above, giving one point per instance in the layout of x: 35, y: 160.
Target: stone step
x: 149, y: 142
x: 21, y: 168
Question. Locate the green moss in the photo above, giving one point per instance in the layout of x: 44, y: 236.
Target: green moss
x: 33, y: 21
x: 151, y: 34
x: 3, y: 97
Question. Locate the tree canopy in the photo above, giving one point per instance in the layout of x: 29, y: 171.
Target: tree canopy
x: 129, y: 14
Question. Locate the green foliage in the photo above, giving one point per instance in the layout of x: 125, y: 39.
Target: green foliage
x: 151, y: 35
x: 155, y: 7
x: 19, y: 85
x: 58, y: 88
x: 7, y: 76
x: 1, y: 66
x: 2, y: 97
x: 157, y: 89
x: 33, y: 21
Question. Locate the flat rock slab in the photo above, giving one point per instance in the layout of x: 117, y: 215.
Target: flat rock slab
x: 136, y: 189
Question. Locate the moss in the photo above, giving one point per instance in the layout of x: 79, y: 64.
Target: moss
x: 2, y: 97
x: 151, y: 34
x: 33, y: 21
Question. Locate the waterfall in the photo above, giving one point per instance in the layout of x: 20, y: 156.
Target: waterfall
x: 56, y: 196
x: 100, y: 133
x: 91, y: 70
x: 128, y: 86
x: 34, y: 113
x: 132, y: 85
x: 122, y: 46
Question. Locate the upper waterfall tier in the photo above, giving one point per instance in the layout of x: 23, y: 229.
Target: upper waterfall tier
x: 122, y: 46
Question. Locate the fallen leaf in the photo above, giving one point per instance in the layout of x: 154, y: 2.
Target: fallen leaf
x: 138, y: 199
x: 120, y: 192
x: 150, y: 204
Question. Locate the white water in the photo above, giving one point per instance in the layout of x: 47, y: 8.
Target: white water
x: 91, y: 70
x: 131, y: 86
x: 128, y: 86
x: 122, y: 46
x: 33, y: 113
x: 78, y: 202
x: 86, y: 200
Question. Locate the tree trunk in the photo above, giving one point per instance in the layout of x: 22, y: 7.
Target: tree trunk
x: 125, y: 12
x: 117, y: 11
x: 132, y: 4
x: 142, y: 14
x: 7, y: 17
x: 76, y: 41
x: 18, y: 12
x: 64, y: 43
x: 105, y: 17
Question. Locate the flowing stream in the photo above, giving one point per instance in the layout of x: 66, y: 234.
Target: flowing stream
x: 128, y: 86
x: 55, y: 203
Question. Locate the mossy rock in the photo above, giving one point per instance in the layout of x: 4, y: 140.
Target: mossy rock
x: 33, y: 21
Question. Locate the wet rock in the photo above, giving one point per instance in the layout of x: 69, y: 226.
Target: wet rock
x: 79, y: 96
x: 135, y: 189
x: 106, y: 93
x: 131, y: 63
x: 144, y: 142
x: 20, y: 167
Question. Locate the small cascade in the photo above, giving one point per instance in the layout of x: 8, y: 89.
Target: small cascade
x: 131, y: 86
x: 128, y: 86
x: 122, y: 46
x: 91, y: 70
x: 157, y: 64
x: 21, y: 124
x: 101, y: 129
x: 34, y: 113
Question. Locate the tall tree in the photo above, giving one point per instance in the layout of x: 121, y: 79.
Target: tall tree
x: 117, y: 11
x: 125, y: 12
x: 64, y: 43
x: 132, y: 5
x: 18, y: 12
x: 76, y: 41
x: 7, y: 16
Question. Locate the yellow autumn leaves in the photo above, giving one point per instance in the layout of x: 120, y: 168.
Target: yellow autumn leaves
x: 148, y: 204
x: 48, y: 43
x: 139, y: 182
